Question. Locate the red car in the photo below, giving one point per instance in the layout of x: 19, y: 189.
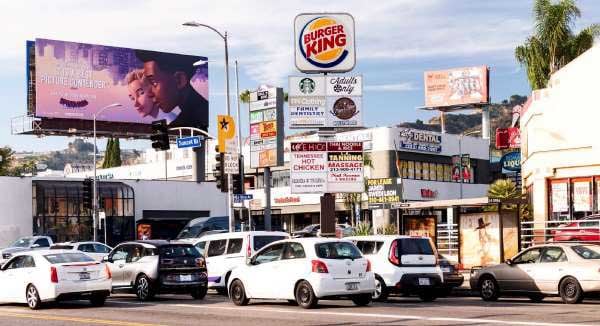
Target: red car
x: 584, y: 230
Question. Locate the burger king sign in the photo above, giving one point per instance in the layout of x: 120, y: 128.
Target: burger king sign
x: 324, y: 42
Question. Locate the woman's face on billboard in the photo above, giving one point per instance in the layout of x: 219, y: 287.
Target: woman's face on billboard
x: 138, y: 93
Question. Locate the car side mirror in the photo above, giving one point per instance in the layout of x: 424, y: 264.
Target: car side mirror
x: 106, y: 259
x: 509, y: 262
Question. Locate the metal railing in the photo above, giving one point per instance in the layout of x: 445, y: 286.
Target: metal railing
x: 567, y: 231
x: 24, y: 124
x: 447, y: 239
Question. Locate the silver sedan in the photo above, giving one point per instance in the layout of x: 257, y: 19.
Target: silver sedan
x: 568, y: 270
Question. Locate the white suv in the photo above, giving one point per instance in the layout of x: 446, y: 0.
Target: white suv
x: 403, y: 264
x: 225, y: 251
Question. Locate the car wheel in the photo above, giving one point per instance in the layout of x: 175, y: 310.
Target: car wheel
x: 305, y: 296
x: 488, y: 289
x: 98, y: 300
x: 381, y: 292
x: 428, y: 296
x: 238, y: 293
x: 536, y: 297
x: 570, y: 291
x: 143, y: 288
x: 199, y: 293
x: 361, y: 300
x: 33, y: 298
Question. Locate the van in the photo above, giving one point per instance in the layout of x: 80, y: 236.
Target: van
x: 225, y: 251
x: 402, y: 264
x: 200, y: 226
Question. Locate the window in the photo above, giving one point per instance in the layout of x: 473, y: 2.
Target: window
x: 88, y: 247
x: 216, y: 248
x: 176, y: 251
x: 100, y: 248
x: 17, y: 262
x: 337, y: 250
x: 369, y: 247
x: 200, y: 246
x: 294, y: 251
x: 136, y: 253
x: 414, y: 247
x: 425, y: 174
x: 71, y: 257
x: 120, y: 253
x: 42, y: 242
x: 28, y: 262
x: 553, y: 255
x: 528, y: 257
x: 447, y: 173
x: 261, y: 241
x: 587, y: 252
x: 440, y: 172
x: 411, y: 169
x: 234, y: 246
x: 418, y: 173
x: 270, y: 254
x: 432, y: 172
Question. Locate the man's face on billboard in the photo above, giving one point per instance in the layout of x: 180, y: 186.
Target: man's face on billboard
x: 164, y: 90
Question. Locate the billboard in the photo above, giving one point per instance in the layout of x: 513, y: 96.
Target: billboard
x: 420, y: 226
x: 266, y: 127
x: 419, y: 140
x: 324, y: 42
x: 320, y: 167
x: 384, y: 192
x: 74, y: 81
x: 458, y: 86
x: 479, y: 239
x: 325, y: 101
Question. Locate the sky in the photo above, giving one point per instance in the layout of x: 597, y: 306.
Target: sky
x: 396, y: 41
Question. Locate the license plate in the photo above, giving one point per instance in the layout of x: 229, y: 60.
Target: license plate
x: 353, y: 286
x: 446, y: 269
x: 185, y: 278
x: 84, y: 276
x: 424, y: 281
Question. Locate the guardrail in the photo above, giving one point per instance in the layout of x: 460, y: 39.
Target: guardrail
x: 447, y: 239
x: 567, y: 231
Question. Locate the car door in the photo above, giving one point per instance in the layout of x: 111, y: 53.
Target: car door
x: 234, y: 256
x: 214, y: 260
x: 116, y: 264
x: 263, y: 272
x: 132, y: 263
x: 10, y: 280
x: 292, y: 267
x: 519, y: 275
x: 552, y: 266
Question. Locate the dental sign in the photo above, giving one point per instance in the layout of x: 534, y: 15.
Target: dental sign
x: 324, y: 42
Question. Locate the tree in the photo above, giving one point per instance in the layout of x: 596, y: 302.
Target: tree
x: 112, y: 155
x: 503, y: 189
x: 6, y: 158
x: 553, y: 43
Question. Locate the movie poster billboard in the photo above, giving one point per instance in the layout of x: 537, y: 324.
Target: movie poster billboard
x: 76, y: 80
x: 457, y: 86
x: 421, y: 226
x: 479, y: 239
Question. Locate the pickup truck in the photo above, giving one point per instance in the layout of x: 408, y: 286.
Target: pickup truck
x: 25, y: 244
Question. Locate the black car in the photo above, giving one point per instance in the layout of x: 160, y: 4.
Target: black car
x: 309, y: 231
x: 452, y: 276
x: 158, y: 266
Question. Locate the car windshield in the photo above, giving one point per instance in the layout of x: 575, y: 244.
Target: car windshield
x: 22, y: 243
x: 310, y: 228
x: 74, y: 257
x: 262, y: 240
x: 337, y: 250
x: 587, y: 252
x: 175, y: 251
x: 190, y: 232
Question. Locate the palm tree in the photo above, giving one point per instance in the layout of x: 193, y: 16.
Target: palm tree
x: 503, y: 189
x: 553, y: 43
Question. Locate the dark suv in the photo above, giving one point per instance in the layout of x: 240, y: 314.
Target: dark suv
x: 157, y: 266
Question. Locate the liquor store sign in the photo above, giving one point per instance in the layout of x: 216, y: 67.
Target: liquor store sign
x: 319, y: 167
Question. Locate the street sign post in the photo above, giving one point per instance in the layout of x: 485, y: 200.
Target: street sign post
x: 189, y: 142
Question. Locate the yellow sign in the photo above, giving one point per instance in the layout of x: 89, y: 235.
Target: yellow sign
x: 226, y: 134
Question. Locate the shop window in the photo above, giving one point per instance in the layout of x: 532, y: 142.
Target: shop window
x: 581, y: 190
x: 418, y: 171
x: 447, y: 172
x: 440, y: 172
x: 411, y: 169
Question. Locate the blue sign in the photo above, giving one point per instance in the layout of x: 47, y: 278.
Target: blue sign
x: 511, y: 161
x: 187, y: 142
x: 241, y: 197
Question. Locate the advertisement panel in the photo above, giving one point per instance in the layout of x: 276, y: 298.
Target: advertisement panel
x: 560, y: 200
x: 308, y: 167
x: 266, y: 127
x: 324, y: 42
x: 76, y: 80
x: 457, y: 86
x: 421, y: 226
x: 582, y: 198
x: 345, y: 167
x: 420, y: 141
x: 479, y: 238
x: 383, y: 192
x: 325, y: 101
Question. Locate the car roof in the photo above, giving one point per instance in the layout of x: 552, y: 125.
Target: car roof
x: 314, y: 240
x: 42, y: 252
x: 228, y: 235
x: 562, y: 245
x: 155, y: 243
x: 384, y: 237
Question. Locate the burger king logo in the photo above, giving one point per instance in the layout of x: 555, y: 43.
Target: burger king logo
x: 325, y: 42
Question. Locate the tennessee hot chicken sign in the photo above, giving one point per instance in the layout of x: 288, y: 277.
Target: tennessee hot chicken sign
x: 318, y: 167
x: 324, y: 42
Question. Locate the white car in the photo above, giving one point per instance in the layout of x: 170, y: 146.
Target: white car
x: 225, y: 251
x: 95, y: 250
x: 34, y: 277
x: 403, y: 264
x: 304, y: 270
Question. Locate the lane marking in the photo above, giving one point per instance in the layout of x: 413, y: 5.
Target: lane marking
x: 9, y: 313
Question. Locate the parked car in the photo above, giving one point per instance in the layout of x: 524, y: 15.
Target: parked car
x: 226, y: 251
x: 199, y: 226
x: 567, y: 270
x: 304, y: 270
x: 157, y: 266
x: 25, y: 244
x: 314, y: 230
x: 584, y: 230
x: 39, y: 276
x: 95, y: 250
x: 453, y: 278
x: 402, y: 264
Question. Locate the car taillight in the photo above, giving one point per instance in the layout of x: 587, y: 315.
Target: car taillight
x: 368, y: 265
x: 248, y: 249
x: 319, y: 267
x: 200, y: 262
x: 108, y: 273
x: 393, y: 257
x: 53, y: 275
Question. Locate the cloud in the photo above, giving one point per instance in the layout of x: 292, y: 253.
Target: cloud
x: 399, y: 87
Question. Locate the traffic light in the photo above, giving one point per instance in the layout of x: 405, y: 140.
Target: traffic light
x: 219, y: 170
x: 88, y: 193
x: 238, y: 179
x: 160, y: 135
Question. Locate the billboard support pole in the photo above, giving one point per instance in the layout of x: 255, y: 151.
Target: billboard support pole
x: 268, y: 199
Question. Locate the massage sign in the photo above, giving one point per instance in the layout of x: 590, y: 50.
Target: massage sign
x: 319, y: 167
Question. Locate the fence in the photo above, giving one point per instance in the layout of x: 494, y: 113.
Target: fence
x: 585, y: 230
x: 447, y: 239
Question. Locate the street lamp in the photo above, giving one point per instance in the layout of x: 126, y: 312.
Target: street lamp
x: 95, y: 192
x: 224, y: 37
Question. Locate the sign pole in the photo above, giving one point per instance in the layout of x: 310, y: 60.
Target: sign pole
x: 267, y: 181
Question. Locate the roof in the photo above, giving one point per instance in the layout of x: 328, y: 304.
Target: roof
x: 227, y: 235
x: 157, y: 243
x: 380, y: 237
x: 315, y: 240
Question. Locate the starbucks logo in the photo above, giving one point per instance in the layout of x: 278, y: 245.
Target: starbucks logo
x: 307, y: 85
